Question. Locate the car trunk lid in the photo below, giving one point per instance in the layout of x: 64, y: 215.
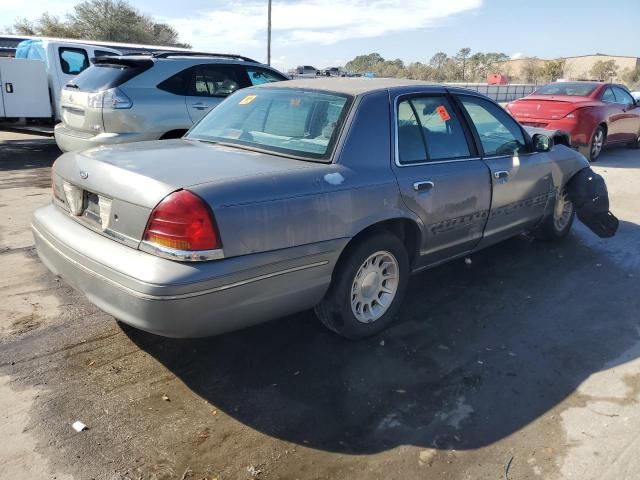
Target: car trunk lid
x: 76, y: 113
x: 546, y: 107
x: 117, y: 187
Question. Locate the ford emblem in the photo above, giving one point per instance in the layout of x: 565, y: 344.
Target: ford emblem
x: 84, y: 175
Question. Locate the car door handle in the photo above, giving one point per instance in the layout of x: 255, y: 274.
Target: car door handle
x: 423, y: 186
x: 501, y: 175
x: 200, y: 106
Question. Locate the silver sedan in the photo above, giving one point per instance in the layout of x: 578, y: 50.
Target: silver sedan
x: 322, y: 193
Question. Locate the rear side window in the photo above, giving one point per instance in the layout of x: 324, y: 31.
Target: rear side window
x: 215, y: 81
x: 258, y: 76
x: 73, y: 60
x: 622, y: 96
x: 498, y: 132
x: 608, y: 96
x: 429, y: 130
x: 103, y: 76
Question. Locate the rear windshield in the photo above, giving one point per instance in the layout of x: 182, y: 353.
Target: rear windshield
x: 103, y: 76
x: 572, y: 89
x: 299, y: 123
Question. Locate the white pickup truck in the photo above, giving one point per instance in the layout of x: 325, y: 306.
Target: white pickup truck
x: 32, y: 81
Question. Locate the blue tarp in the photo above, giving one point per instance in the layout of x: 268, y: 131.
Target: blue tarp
x: 31, y: 49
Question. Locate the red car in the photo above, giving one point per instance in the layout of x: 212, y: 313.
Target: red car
x: 594, y: 113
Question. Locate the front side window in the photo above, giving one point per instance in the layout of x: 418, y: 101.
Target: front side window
x: 73, y: 60
x: 294, y: 122
x: 499, y: 134
x: 429, y: 130
x: 622, y: 96
x: 258, y: 76
x: 214, y: 81
x: 608, y: 96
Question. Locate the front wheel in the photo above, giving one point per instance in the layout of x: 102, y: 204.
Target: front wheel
x: 367, y: 287
x: 557, y: 225
x: 635, y: 143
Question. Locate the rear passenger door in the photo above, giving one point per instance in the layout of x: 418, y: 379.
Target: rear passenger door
x: 440, y: 175
x: 209, y: 84
x: 520, y: 177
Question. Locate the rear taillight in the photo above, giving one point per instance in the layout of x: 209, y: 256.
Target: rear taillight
x: 182, y: 222
x: 111, y: 98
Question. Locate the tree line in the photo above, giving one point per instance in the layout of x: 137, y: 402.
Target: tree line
x: 462, y: 67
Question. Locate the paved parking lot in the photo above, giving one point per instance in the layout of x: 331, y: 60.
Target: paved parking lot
x: 527, y: 358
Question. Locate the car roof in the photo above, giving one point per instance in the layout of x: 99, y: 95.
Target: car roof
x: 349, y: 86
x: 189, y: 59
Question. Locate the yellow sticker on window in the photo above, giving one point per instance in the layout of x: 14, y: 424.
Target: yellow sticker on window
x: 247, y: 99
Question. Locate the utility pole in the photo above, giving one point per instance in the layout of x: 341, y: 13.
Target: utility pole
x: 269, y: 34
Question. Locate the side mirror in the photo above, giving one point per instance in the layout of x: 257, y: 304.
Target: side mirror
x: 542, y: 142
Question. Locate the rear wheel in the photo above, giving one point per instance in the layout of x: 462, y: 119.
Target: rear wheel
x: 557, y: 225
x: 596, y: 144
x: 367, y: 287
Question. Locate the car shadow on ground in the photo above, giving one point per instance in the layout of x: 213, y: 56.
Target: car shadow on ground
x: 619, y: 156
x: 26, y: 158
x: 480, y: 351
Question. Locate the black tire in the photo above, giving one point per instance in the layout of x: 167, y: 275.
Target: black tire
x: 634, y: 144
x: 335, y: 310
x: 594, y: 153
x: 557, y: 226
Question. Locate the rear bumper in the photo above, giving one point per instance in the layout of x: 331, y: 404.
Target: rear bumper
x: 69, y: 140
x: 580, y: 132
x: 176, y: 299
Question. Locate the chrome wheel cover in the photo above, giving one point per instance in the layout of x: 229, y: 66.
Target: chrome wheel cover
x: 598, y: 141
x: 562, y: 212
x: 374, y: 286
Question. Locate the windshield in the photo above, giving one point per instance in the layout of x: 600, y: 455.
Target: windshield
x: 572, y: 89
x: 294, y: 122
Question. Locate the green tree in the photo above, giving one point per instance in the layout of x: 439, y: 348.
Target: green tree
x: 552, y: 70
x: 532, y: 70
x: 364, y: 63
x: 604, y: 70
x: 461, y: 57
x: 105, y: 20
x: 631, y: 76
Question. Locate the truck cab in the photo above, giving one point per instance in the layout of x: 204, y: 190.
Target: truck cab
x: 32, y: 81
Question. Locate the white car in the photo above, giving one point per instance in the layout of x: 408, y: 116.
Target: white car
x: 636, y: 95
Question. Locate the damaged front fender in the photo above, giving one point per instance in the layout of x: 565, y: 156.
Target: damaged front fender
x: 588, y: 192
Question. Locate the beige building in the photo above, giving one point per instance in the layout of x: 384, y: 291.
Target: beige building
x: 575, y: 68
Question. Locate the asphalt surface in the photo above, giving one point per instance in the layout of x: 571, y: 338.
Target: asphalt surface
x: 524, y: 360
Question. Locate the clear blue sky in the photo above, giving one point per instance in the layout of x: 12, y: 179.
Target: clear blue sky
x: 329, y: 32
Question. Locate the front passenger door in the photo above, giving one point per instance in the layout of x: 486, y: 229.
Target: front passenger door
x: 521, y: 178
x: 209, y: 84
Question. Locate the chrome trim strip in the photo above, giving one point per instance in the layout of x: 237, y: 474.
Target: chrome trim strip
x: 146, y: 296
x: 181, y: 255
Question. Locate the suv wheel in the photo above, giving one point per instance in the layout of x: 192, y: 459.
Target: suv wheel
x: 367, y: 287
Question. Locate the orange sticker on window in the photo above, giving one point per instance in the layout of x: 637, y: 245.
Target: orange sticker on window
x: 295, y: 102
x: 247, y: 99
x: 444, y: 115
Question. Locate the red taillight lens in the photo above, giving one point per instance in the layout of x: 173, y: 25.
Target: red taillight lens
x: 183, y: 222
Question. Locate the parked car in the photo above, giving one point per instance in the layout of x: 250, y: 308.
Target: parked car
x: 322, y: 193
x: 307, y: 70
x: 150, y: 97
x: 334, y: 72
x: 596, y: 114
x: 636, y: 96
